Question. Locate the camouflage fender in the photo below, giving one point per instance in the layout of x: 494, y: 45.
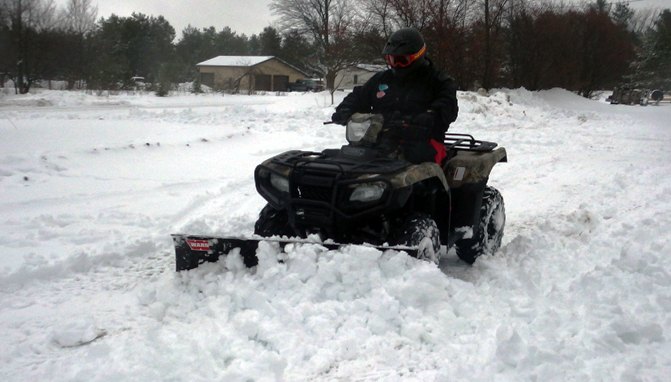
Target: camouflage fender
x: 472, y: 166
x: 417, y: 173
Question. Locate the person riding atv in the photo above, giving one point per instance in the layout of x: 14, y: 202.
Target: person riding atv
x: 411, y: 89
x: 400, y: 183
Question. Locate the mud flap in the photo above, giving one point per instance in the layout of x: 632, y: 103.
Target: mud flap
x: 193, y: 250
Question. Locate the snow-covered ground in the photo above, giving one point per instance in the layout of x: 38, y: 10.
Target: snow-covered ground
x: 92, y: 187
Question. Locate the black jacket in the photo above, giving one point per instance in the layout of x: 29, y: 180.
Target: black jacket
x: 423, y: 89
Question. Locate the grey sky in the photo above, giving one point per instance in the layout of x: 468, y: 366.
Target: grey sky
x: 242, y: 16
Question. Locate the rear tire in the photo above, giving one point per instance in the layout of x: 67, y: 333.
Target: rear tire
x: 490, y: 230
x: 272, y: 222
x: 420, y: 230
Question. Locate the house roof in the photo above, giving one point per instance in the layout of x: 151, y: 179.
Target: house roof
x: 244, y: 61
x: 372, y: 67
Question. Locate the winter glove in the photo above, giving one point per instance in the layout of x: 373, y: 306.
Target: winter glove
x: 418, y: 127
x: 418, y: 151
x: 341, y: 116
x: 426, y: 119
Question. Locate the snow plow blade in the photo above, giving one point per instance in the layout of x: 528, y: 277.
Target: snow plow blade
x: 193, y: 250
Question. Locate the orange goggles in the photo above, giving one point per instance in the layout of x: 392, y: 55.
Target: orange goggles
x: 403, y: 60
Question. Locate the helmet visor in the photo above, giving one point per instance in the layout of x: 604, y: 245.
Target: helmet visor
x: 403, y: 60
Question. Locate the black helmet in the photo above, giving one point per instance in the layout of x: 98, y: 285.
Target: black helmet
x: 404, y: 47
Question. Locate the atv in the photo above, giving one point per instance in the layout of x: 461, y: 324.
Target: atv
x: 367, y: 193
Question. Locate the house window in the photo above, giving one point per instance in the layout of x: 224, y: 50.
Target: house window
x: 355, y: 80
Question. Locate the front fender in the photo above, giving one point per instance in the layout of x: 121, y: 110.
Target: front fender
x: 418, y: 173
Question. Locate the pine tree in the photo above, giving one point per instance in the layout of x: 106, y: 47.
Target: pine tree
x: 196, y: 87
x: 653, y: 67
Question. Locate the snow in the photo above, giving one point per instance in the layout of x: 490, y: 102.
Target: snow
x: 92, y: 187
x: 235, y: 61
x: 649, y: 4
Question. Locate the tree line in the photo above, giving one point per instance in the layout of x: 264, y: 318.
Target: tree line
x: 481, y: 43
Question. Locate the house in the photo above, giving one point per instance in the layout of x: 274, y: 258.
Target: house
x: 356, y: 75
x: 248, y: 73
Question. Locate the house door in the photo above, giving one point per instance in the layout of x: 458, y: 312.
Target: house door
x: 207, y: 79
x: 280, y: 83
x: 262, y: 82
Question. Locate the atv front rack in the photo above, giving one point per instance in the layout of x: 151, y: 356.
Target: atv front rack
x: 467, y: 142
x: 193, y: 250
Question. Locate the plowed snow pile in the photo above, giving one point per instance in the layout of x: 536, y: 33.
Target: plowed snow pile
x: 92, y: 187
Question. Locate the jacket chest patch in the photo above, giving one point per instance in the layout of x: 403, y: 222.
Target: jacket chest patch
x: 381, y: 90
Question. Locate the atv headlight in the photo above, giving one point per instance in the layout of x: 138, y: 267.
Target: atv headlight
x: 368, y: 192
x: 356, y: 130
x: 279, y: 182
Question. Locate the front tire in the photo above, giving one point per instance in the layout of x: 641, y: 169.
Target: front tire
x: 487, y: 240
x: 420, y: 230
x: 272, y: 222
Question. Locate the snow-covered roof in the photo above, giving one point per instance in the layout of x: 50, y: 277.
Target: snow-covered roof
x: 371, y: 67
x: 245, y: 61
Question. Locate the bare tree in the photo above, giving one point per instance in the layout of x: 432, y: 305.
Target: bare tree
x: 80, y: 16
x: 493, y: 12
x: 379, y: 13
x: 445, y: 24
x: 36, y: 14
x: 78, y: 19
x: 643, y: 20
x: 329, y: 23
x: 447, y: 38
x: 419, y: 14
x: 26, y: 17
x: 414, y: 13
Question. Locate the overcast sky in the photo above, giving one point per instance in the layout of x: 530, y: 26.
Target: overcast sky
x: 242, y: 16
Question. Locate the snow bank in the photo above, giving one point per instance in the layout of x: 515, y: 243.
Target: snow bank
x: 93, y: 186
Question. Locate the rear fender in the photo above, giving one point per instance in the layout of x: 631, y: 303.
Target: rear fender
x: 467, y: 174
x: 469, y: 167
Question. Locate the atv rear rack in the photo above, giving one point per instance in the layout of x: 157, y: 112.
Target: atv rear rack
x: 467, y: 142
